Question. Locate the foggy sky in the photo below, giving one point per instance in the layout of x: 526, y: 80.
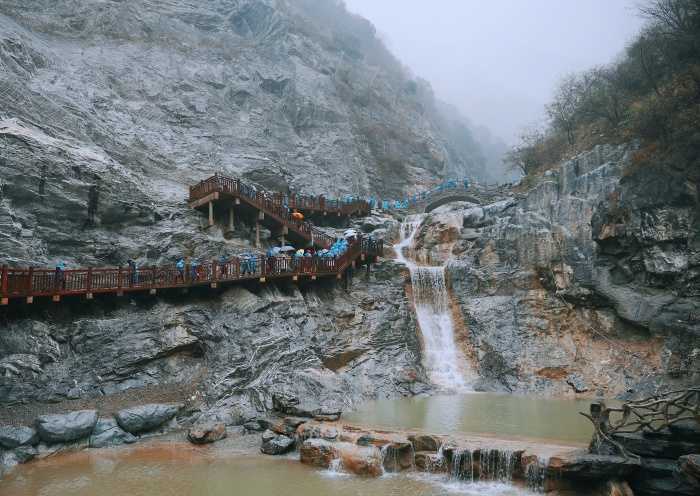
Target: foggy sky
x: 499, y: 60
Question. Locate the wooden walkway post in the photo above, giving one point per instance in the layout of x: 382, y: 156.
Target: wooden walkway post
x: 4, y: 296
x: 211, y: 214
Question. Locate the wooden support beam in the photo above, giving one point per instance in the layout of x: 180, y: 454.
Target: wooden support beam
x: 3, y: 285
x: 262, y: 279
x: 88, y: 296
x: 237, y: 201
x: 30, y: 300
x: 152, y: 291
x: 211, y: 214
x: 313, y: 278
x: 231, y: 224
x: 56, y: 298
x: 213, y: 285
x: 295, y: 278
x: 257, y: 234
x: 261, y: 215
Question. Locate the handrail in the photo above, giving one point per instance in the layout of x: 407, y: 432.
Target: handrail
x: 26, y: 282
x: 230, y: 185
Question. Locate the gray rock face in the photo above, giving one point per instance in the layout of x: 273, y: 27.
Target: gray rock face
x: 145, y: 418
x: 108, y: 433
x: 11, y: 436
x: 586, y: 284
x: 276, y: 444
x: 66, y: 427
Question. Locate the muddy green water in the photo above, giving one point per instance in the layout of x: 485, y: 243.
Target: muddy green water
x: 177, y: 470
x: 500, y: 415
x: 180, y: 469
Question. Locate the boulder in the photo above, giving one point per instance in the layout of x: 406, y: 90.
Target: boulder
x: 317, y: 452
x: 661, y: 446
x: 206, y: 433
x: 64, y: 428
x: 684, y: 429
x: 145, y: 418
x: 360, y: 460
x: 689, y: 469
x: 276, y: 444
x: 25, y: 453
x: 592, y: 467
x: 288, y: 425
x: 108, y: 433
x: 308, y: 407
x: 320, y: 431
x: 422, y: 442
x: 430, y: 461
x: 11, y: 436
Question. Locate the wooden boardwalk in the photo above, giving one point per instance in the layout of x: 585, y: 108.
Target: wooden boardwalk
x: 17, y: 284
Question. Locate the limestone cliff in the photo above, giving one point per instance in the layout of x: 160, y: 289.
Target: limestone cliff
x: 585, y: 284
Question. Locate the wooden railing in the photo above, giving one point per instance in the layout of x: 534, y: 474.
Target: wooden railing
x: 289, y: 202
x: 32, y: 282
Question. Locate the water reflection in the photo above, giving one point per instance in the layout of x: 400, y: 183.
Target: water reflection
x: 482, y: 413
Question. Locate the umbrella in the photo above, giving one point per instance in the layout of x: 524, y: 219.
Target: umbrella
x: 287, y: 248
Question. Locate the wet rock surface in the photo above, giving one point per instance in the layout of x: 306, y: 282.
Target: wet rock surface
x: 276, y: 444
x: 581, y: 286
x: 108, y: 433
x: 145, y: 418
x: 12, y: 437
x: 62, y: 428
x: 206, y: 433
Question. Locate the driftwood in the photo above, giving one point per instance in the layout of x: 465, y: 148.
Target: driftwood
x: 654, y: 414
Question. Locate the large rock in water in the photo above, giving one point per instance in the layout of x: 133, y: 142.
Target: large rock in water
x: 108, y: 433
x: 64, y: 428
x: 11, y: 436
x: 145, y: 417
x: 689, y: 470
x: 307, y: 407
x: 206, y: 433
x: 276, y: 444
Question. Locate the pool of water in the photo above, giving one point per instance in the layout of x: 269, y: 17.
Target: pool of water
x: 179, y: 470
x: 499, y: 415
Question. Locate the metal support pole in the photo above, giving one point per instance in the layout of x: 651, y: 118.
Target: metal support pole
x: 4, y: 296
x: 211, y: 214
x: 230, y: 219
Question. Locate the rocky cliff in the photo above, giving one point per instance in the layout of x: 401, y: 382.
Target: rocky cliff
x: 108, y: 110
x: 585, y: 284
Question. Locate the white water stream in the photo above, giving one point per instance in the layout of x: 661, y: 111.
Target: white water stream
x: 443, y: 361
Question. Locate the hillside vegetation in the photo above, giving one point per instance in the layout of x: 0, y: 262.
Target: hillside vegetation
x: 651, y: 95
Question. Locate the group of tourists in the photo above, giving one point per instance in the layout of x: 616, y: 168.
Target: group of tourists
x: 413, y: 200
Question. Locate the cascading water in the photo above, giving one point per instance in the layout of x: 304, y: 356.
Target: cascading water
x: 441, y: 357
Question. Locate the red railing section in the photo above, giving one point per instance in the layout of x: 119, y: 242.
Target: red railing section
x: 307, y: 203
x: 19, y: 283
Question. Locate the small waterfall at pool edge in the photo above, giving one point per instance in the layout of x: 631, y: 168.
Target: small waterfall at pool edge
x: 443, y: 361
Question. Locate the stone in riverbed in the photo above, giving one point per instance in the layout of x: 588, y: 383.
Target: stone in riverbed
x: 317, y: 452
x: 108, y: 433
x: 657, y: 446
x: 689, y: 469
x: 64, y: 428
x: 145, y: 418
x: 25, y: 453
x: 308, y: 407
x: 686, y: 429
x: 11, y: 436
x: 360, y: 460
x: 423, y: 442
x: 588, y: 466
x: 276, y: 444
x: 288, y: 425
x: 206, y: 433
x: 430, y: 461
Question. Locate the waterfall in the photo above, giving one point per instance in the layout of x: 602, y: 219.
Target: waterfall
x: 484, y: 465
x: 440, y: 354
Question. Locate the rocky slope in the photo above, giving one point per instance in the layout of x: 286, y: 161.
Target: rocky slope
x: 586, y: 284
x: 109, y: 109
